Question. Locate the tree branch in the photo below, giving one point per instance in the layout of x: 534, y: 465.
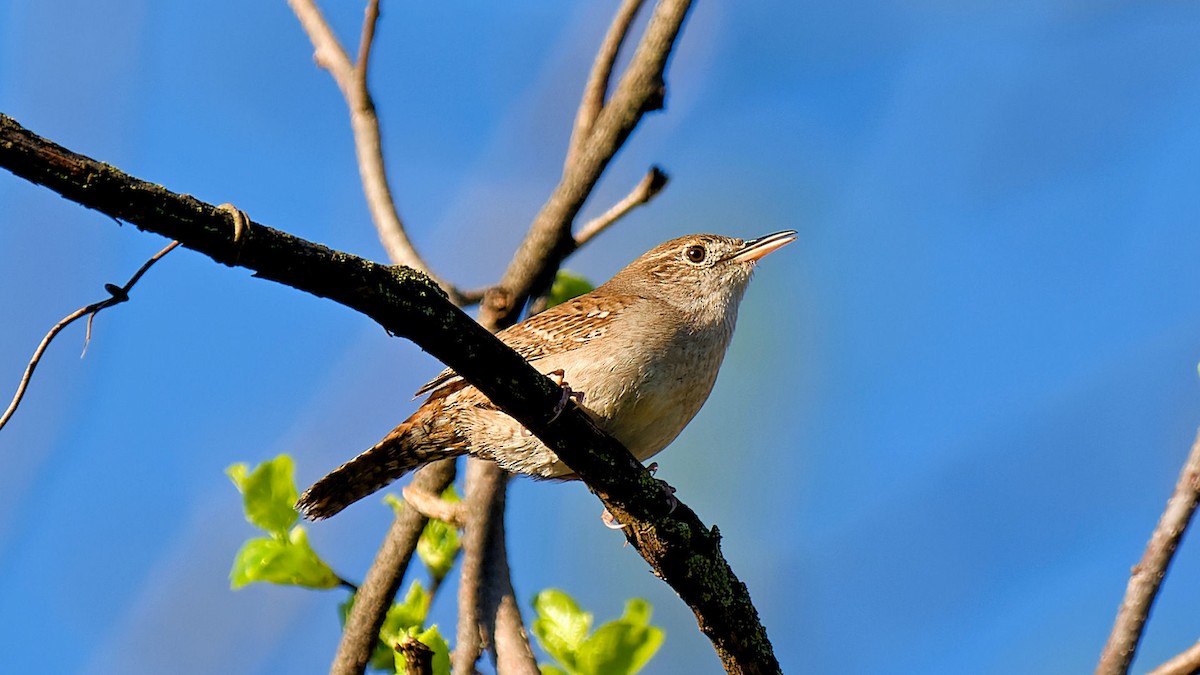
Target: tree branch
x: 648, y: 188
x: 1186, y: 662
x: 351, y: 78
x: 1148, y: 574
x: 117, y: 295
x: 488, y: 614
x: 597, y: 85
x: 375, y: 596
x: 682, y: 550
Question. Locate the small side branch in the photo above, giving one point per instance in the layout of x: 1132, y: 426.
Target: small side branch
x: 434, y: 507
x: 1186, y: 662
x: 1148, y: 574
x: 649, y: 187
x: 118, y: 294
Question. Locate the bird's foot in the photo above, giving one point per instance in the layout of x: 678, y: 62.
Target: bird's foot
x: 568, y: 394
x: 652, y: 467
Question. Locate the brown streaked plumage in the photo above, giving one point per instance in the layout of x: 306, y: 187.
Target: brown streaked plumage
x: 644, y: 348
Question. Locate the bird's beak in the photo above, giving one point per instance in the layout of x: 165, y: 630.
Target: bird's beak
x: 757, y: 248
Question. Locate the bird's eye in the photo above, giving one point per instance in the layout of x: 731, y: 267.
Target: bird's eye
x: 695, y: 254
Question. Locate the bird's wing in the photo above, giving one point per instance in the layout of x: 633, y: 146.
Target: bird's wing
x: 561, y: 328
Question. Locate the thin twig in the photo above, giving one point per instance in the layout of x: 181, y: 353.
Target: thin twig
x: 1148, y: 574
x: 592, y: 101
x: 1186, y: 662
x: 118, y: 294
x: 488, y: 613
x: 432, y: 506
x: 327, y: 50
x: 653, y: 183
x: 351, y: 79
x: 370, y: 20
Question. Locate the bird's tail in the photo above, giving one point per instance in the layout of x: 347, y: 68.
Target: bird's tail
x: 397, y: 454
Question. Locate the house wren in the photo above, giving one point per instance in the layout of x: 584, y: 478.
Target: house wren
x: 643, y: 349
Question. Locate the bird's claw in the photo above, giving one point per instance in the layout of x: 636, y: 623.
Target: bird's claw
x: 568, y: 394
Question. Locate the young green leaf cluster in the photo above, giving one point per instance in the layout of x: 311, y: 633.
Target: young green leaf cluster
x: 620, y: 647
x: 285, y: 557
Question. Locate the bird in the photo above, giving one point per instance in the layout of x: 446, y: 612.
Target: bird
x: 641, y: 351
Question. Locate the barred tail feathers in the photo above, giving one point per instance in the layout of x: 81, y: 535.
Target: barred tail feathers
x: 371, y: 471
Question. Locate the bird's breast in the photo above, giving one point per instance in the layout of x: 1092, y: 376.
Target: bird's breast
x: 645, y: 392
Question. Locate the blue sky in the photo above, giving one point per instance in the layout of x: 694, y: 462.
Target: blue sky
x: 947, y: 424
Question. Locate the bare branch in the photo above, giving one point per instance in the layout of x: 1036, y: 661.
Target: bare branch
x: 649, y: 187
x: 484, y: 489
x: 501, y: 613
x: 1186, y: 662
x: 375, y: 595
x: 370, y: 20
x: 488, y: 615
x: 117, y: 295
x: 433, y: 506
x: 1148, y: 574
x: 351, y: 78
x: 327, y: 51
x: 597, y: 85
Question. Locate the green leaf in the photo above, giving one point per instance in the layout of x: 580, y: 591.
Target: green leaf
x: 433, y: 639
x: 401, y: 617
x: 561, y: 626
x: 547, y: 669
x: 621, y: 647
x: 439, y: 544
x: 405, y: 615
x: 288, y: 561
x: 567, y: 285
x: 268, y: 494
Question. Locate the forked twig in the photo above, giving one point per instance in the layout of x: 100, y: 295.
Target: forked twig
x: 118, y: 294
x: 1148, y: 574
x: 351, y: 78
